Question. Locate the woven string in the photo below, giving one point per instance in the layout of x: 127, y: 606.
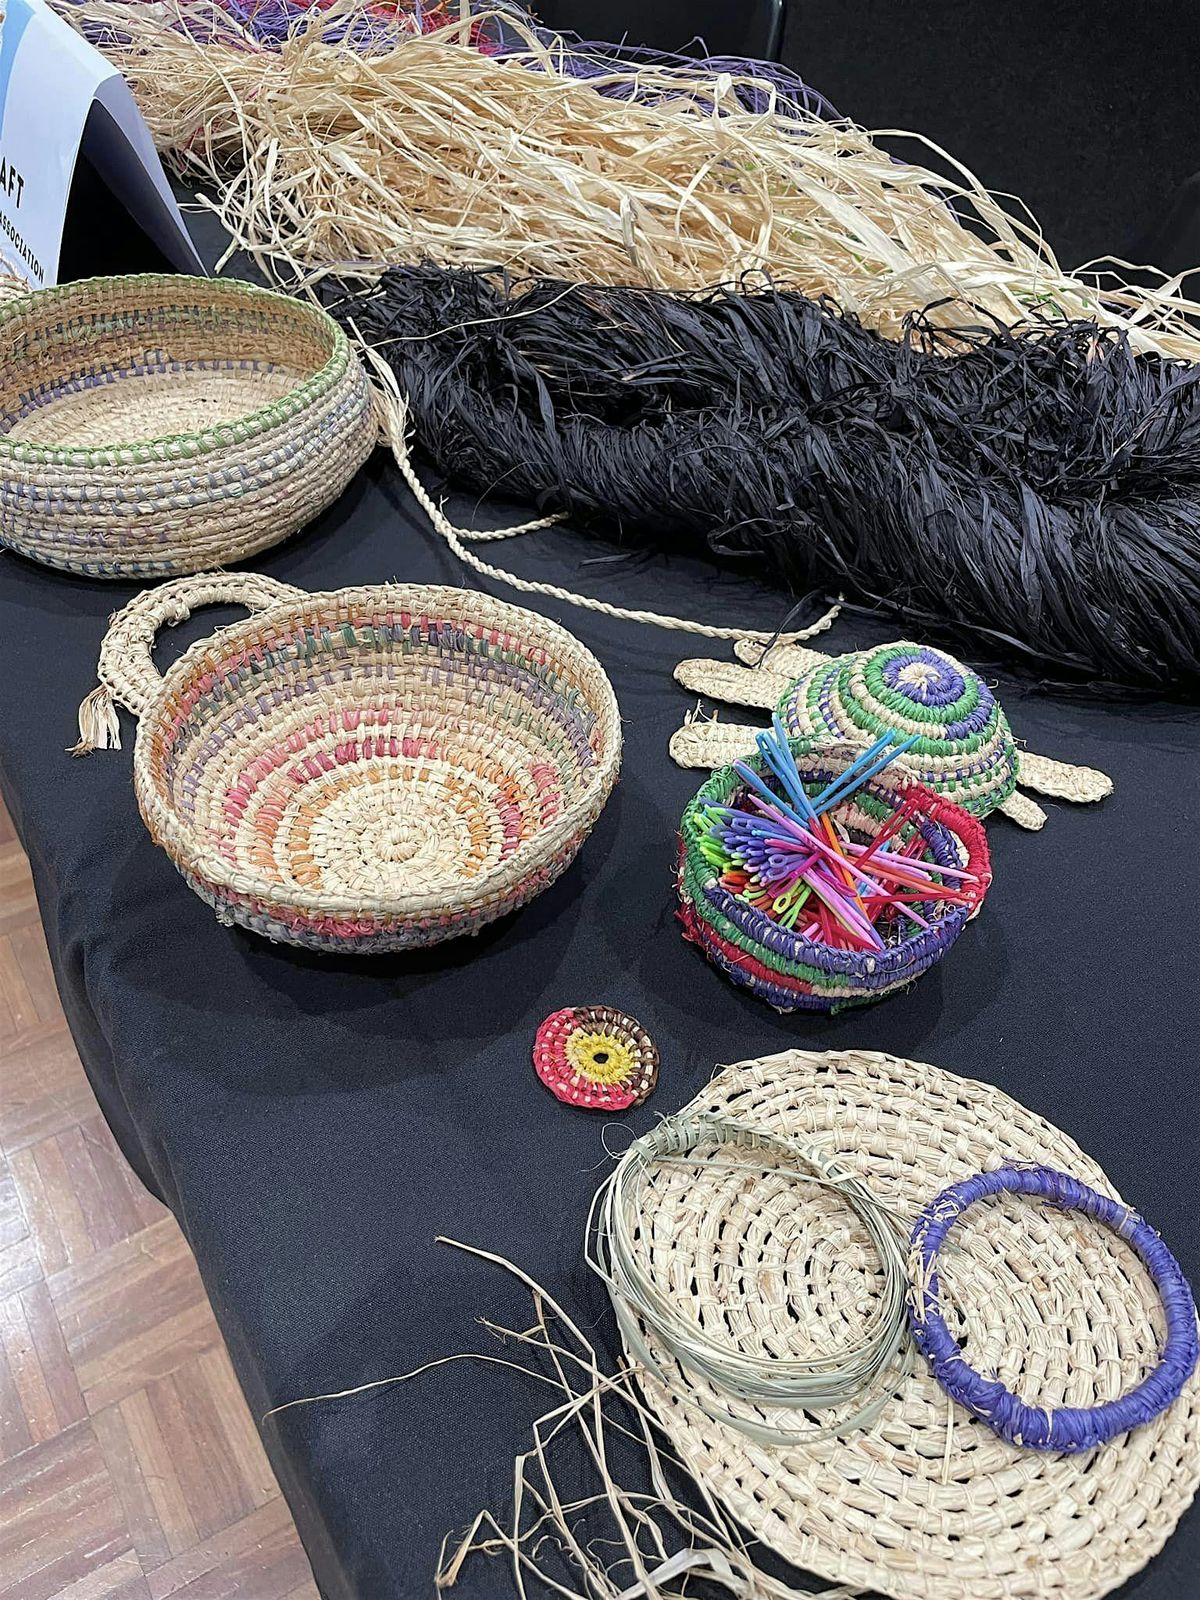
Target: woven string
x: 393, y: 417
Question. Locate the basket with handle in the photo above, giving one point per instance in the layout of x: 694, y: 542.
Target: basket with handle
x: 362, y: 770
x: 160, y: 424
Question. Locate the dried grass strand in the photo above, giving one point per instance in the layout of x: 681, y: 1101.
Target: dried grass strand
x: 322, y: 159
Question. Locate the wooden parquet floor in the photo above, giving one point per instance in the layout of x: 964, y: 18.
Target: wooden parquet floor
x: 130, y: 1468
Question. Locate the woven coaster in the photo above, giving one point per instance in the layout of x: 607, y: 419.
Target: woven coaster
x: 597, y: 1058
x: 927, y: 1503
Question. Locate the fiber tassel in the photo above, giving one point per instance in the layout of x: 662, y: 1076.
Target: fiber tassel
x: 99, y: 725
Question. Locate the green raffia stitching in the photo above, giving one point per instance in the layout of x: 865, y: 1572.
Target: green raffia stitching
x: 142, y: 452
x: 978, y: 792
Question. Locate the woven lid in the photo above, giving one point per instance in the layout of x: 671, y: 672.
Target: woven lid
x: 964, y: 746
x: 926, y: 1503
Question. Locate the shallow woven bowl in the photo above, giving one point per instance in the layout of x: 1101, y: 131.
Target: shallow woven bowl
x: 369, y: 769
x: 782, y: 967
x: 156, y: 425
x: 926, y: 1502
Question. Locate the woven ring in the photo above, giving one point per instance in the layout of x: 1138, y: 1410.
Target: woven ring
x: 1069, y: 1428
x: 865, y: 1369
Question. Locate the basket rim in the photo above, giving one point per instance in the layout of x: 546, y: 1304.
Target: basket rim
x: 801, y: 950
x: 181, y: 842
x: 172, y: 446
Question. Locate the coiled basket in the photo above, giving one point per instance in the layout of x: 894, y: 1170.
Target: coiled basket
x: 158, y: 424
x: 792, y: 972
x: 365, y: 770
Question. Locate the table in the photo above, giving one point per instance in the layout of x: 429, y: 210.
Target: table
x: 314, y: 1123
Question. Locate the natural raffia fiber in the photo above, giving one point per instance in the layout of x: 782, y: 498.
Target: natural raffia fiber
x: 318, y: 158
x: 927, y: 1504
x: 160, y: 424
x: 365, y: 770
x: 1036, y: 490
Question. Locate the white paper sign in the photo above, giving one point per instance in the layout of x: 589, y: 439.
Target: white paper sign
x: 58, y: 97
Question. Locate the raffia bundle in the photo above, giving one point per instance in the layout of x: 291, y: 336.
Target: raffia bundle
x: 324, y: 158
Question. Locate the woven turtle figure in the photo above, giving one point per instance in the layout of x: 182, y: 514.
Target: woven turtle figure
x: 965, y: 747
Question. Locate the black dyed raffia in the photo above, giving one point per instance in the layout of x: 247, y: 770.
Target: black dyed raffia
x: 1036, y: 489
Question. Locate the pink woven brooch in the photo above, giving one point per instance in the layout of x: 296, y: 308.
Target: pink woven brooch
x: 597, y: 1058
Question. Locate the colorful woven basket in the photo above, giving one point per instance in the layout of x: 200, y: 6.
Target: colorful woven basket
x: 159, y: 424
x: 365, y: 770
x: 792, y: 972
x: 964, y: 747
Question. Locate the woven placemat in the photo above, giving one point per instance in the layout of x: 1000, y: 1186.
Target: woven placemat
x: 926, y: 1503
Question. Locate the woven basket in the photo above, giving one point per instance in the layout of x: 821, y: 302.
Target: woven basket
x: 365, y: 770
x: 926, y: 1503
x: 784, y: 968
x: 156, y: 425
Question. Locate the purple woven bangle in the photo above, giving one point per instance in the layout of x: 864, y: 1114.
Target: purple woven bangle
x: 1070, y: 1428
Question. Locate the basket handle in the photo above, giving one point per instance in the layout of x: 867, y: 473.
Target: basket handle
x: 127, y: 673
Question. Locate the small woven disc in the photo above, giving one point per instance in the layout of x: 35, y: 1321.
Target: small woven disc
x: 926, y: 1502
x: 594, y: 1057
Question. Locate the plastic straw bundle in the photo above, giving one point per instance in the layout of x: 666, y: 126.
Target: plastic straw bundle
x: 322, y: 156
x: 1038, y: 489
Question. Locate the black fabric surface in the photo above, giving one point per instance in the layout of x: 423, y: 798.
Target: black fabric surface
x: 314, y: 1123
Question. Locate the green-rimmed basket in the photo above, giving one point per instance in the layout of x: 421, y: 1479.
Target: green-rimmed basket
x: 163, y: 424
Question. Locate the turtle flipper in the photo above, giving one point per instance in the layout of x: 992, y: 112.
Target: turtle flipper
x: 1026, y: 813
x: 740, y: 686
x: 1062, y: 781
x: 711, y: 744
x: 789, y: 659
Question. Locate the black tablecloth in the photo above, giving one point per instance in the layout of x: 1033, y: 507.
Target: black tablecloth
x: 315, y: 1122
